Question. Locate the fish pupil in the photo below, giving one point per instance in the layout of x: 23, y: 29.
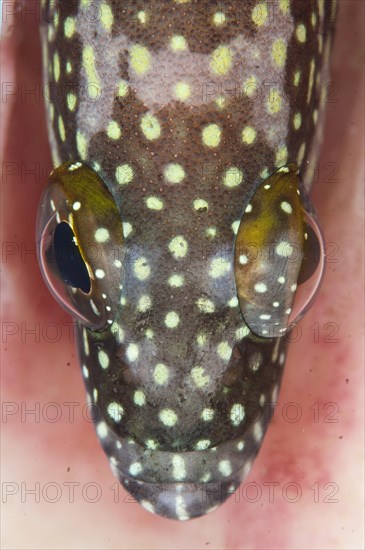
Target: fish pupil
x: 69, y: 261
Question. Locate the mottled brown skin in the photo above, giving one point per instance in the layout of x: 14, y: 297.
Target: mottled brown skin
x: 232, y: 381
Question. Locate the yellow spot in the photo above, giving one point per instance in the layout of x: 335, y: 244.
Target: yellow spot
x: 279, y: 52
x: 201, y: 339
x: 242, y: 332
x: 281, y: 157
x: 178, y: 467
x: 199, y: 378
x: 150, y: 126
x: 150, y: 444
x: 135, y: 468
x: 142, y: 17
x: 140, y: 59
x: 141, y: 269
x: 176, y: 280
x: 205, y: 305
x: 264, y: 174
x: 211, y: 232
x: 315, y: 116
x: 61, y: 128
x: 207, y: 415
x: 235, y: 225
x: 113, y: 130
x: 174, y: 173
x: 211, y: 135
x: 172, y: 319
x: 56, y: 19
x: 124, y: 174
x: 297, y: 121
x: 122, y: 88
x: 225, y: 468
x: 160, y: 374
x: 144, y: 303
x: 139, y: 398
x: 88, y: 60
x: 233, y: 177
x: 237, y: 414
x: 68, y: 67
x: 132, y: 352
x: 178, y: 43
x: 301, y: 33
x: 224, y: 351
x: 284, y: 6
x: 249, y: 86
x: 221, y: 101
x: 200, y: 204
x: 101, y: 235
x: 50, y: 33
x: 182, y: 91
x: 313, y: 19
x: 81, y: 143
x: 69, y: 27
x: 149, y: 334
x: 321, y: 8
x: 56, y: 67
x: 311, y: 79
x: 71, y: 101
x: 154, y: 203
x: 301, y: 154
x: 219, y: 267
x: 115, y: 411
x: 221, y: 60
x: 248, y: 135
x: 106, y: 16
x: 296, y: 78
x: 167, y: 416
x: 219, y: 18
x: 127, y: 229
x: 260, y: 14
x: 274, y: 101
x: 103, y: 359
x: 202, y: 444
x: 178, y: 247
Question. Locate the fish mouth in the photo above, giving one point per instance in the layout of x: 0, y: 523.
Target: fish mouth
x: 180, y: 501
x: 184, y: 485
x: 184, y: 500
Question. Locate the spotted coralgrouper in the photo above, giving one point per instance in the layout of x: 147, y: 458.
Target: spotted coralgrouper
x: 176, y: 226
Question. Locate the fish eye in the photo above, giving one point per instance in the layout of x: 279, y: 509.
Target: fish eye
x: 311, y: 270
x: 279, y: 255
x: 80, y: 244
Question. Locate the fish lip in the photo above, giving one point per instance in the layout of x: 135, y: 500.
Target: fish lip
x: 179, y: 501
x: 202, y: 488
